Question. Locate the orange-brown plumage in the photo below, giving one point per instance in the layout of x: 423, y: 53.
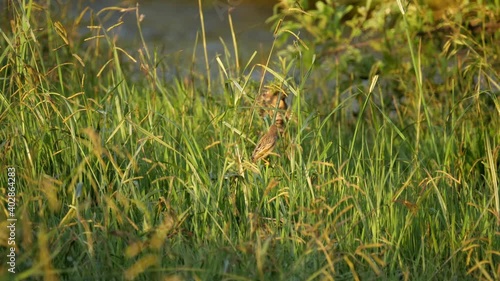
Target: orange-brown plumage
x: 269, y: 101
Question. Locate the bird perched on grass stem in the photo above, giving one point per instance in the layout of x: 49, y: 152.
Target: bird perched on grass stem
x: 266, y: 144
x: 270, y: 101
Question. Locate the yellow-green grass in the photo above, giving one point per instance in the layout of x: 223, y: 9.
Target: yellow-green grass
x: 122, y: 173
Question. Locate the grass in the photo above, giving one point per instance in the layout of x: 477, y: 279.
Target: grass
x: 124, y: 174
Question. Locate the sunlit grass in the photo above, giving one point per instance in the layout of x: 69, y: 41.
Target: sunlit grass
x: 124, y: 174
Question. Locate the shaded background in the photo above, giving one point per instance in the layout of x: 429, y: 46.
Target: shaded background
x: 173, y: 25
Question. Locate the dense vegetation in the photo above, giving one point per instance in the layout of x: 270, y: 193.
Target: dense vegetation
x: 388, y: 166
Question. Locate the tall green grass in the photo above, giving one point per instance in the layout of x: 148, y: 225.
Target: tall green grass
x: 124, y: 174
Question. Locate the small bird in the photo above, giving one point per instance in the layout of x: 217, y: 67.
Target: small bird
x: 266, y: 144
x: 270, y: 100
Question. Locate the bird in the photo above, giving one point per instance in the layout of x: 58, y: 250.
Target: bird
x: 266, y: 144
x: 269, y: 101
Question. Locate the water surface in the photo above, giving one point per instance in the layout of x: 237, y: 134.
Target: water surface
x: 174, y: 25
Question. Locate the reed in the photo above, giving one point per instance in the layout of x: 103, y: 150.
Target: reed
x: 388, y: 165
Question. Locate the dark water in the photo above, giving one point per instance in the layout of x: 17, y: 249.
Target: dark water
x: 173, y: 25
